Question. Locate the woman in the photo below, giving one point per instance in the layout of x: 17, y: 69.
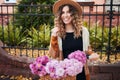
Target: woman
x: 69, y: 35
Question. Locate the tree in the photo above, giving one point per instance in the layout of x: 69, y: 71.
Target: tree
x: 32, y: 13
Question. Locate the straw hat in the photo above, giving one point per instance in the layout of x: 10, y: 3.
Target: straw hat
x: 63, y: 2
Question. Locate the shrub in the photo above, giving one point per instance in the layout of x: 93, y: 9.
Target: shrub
x: 11, y: 35
x: 39, y: 38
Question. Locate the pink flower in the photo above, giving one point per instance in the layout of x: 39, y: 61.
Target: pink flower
x: 33, y: 68
x: 74, y: 68
x: 42, y: 71
x: 51, y: 66
x: 71, y: 71
x: 38, y: 66
x: 43, y: 60
x: 60, y: 72
x: 78, y: 55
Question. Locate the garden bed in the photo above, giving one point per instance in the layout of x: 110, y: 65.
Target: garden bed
x: 35, y: 53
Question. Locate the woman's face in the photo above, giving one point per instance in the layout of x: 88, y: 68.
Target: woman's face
x: 66, y: 15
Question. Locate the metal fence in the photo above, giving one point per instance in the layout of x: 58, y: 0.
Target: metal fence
x: 25, y: 29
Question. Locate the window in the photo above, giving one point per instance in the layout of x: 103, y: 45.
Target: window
x: 84, y: 0
x: 10, y: 1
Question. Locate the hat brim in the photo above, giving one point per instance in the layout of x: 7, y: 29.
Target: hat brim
x: 59, y: 3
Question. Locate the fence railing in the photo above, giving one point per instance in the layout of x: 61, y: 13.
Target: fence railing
x: 25, y: 29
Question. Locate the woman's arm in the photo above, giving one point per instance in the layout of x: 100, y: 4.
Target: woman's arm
x: 54, y: 46
x: 53, y: 49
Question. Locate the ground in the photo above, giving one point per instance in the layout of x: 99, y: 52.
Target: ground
x: 35, y: 53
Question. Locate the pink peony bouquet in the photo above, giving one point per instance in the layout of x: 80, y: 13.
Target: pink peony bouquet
x: 70, y: 66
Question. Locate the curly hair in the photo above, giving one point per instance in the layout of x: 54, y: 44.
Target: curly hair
x: 76, y: 22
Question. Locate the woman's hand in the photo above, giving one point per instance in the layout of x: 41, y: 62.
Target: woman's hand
x: 89, y: 51
x: 54, y: 31
x: 94, y: 57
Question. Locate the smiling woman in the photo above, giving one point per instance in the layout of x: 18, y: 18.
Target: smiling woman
x: 68, y: 33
